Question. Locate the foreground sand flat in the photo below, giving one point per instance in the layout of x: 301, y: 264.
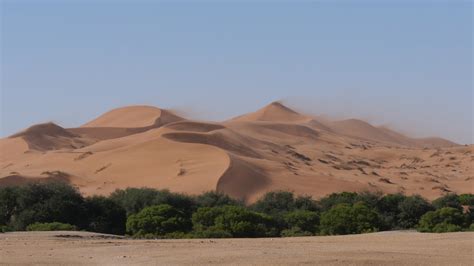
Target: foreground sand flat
x: 388, y: 248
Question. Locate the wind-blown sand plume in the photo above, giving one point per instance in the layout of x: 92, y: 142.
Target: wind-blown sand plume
x: 274, y: 112
x: 274, y: 148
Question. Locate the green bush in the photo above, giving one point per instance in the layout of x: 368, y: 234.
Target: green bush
x: 275, y: 203
x: 215, y: 199
x: 349, y: 219
x: 45, y: 202
x: 442, y: 220
x: 337, y: 198
x: 410, y: 211
x: 295, y: 232
x: 105, y: 216
x: 302, y: 222
x: 5, y: 228
x: 54, y: 226
x: 450, y: 200
x: 466, y: 199
x: 235, y: 221
x: 157, y: 221
x: 389, y: 209
x: 134, y: 200
x: 8, y: 197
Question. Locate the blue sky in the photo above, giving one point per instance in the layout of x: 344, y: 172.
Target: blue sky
x: 407, y: 64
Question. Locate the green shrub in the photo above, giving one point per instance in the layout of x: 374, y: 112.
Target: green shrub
x: 337, y: 198
x: 346, y: 219
x: 46, y: 202
x: 134, y: 200
x: 235, y: 221
x: 442, y: 220
x: 295, y: 232
x: 450, y: 200
x: 471, y: 227
x: 389, y: 209
x: 466, y: 199
x: 105, y: 216
x: 215, y: 199
x: 302, y: 222
x: 54, y: 226
x: 5, y: 228
x: 275, y: 203
x: 410, y: 211
x: 8, y: 197
x: 157, y: 221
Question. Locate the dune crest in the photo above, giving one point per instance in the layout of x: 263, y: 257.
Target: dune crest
x: 274, y: 148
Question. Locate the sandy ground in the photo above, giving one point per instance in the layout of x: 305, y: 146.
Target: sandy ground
x: 387, y: 248
x: 274, y: 148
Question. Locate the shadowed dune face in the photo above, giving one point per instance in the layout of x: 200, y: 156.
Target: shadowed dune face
x: 274, y: 148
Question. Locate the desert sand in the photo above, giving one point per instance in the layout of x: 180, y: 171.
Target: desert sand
x: 385, y: 248
x: 274, y: 148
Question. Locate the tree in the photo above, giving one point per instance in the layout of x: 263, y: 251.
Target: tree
x: 301, y: 222
x: 337, y: 198
x: 410, y: 211
x: 446, y: 219
x: 47, y: 202
x: 105, y: 216
x: 8, y: 196
x: 157, y: 221
x: 466, y: 199
x: 346, y: 219
x: 450, y: 200
x: 235, y: 221
x: 389, y: 209
x: 134, y: 200
x: 275, y: 203
x: 215, y: 199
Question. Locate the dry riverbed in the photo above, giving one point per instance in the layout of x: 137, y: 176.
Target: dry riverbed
x: 388, y: 248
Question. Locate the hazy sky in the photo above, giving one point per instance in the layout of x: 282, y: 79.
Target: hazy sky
x: 407, y: 64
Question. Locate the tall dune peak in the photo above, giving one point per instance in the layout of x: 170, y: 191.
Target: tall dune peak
x: 273, y: 112
x: 136, y: 116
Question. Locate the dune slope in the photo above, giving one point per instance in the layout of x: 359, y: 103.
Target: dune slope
x: 274, y: 148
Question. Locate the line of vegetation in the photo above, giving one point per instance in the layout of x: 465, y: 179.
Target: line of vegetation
x: 151, y: 213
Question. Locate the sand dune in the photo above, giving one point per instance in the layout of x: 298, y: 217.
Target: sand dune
x: 274, y: 148
x: 134, y: 117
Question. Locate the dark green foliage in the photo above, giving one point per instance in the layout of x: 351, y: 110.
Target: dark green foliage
x: 301, y: 222
x: 215, y: 199
x: 161, y: 213
x: 235, y: 221
x: 389, y: 210
x: 105, y: 216
x: 54, y: 226
x: 134, y: 200
x: 275, y: 203
x: 410, y: 211
x: 8, y: 197
x: 346, y: 219
x: 46, y: 202
x: 466, y: 199
x: 157, y: 221
x: 278, y: 204
x: 337, y: 198
x: 450, y: 200
x: 442, y: 220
